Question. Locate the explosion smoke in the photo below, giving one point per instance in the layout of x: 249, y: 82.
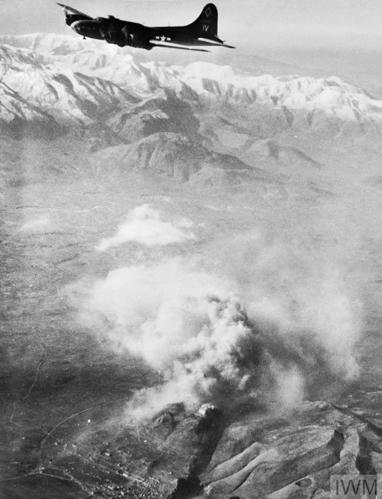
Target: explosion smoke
x: 144, y: 225
x: 192, y: 327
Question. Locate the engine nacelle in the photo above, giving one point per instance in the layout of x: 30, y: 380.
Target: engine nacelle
x: 119, y: 34
x: 129, y: 36
x: 135, y: 39
x: 110, y: 30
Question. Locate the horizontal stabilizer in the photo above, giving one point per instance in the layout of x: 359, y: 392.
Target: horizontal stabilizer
x: 214, y: 43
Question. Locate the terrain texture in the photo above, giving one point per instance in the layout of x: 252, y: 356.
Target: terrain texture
x: 191, y: 275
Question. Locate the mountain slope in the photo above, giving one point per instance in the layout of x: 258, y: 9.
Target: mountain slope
x: 103, y: 96
x: 172, y: 155
x: 32, y: 89
x: 56, y: 67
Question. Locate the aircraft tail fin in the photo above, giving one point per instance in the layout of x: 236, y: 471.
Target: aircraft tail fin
x: 206, y: 25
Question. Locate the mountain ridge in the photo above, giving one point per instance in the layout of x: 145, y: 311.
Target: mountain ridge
x: 206, y: 81
x: 103, y: 96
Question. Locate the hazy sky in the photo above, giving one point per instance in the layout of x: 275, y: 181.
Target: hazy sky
x: 273, y: 22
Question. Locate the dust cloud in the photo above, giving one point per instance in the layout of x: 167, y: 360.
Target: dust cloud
x: 261, y: 327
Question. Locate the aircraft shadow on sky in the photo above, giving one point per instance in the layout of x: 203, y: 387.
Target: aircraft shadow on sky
x: 200, y: 33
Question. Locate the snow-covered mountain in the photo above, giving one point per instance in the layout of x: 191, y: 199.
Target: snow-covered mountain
x: 35, y: 89
x: 126, y: 109
x: 48, y: 62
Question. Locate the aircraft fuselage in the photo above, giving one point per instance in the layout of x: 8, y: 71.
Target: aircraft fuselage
x: 202, y: 32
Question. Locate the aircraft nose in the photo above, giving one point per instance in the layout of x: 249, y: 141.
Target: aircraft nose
x: 76, y: 26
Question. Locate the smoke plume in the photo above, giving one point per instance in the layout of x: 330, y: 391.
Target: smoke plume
x: 144, y: 225
x: 259, y: 331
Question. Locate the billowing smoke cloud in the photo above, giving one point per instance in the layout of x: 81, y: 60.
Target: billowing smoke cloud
x: 184, y: 323
x: 265, y: 332
x: 144, y: 225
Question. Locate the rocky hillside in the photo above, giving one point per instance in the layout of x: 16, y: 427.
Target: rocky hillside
x: 180, y: 455
x: 175, y: 156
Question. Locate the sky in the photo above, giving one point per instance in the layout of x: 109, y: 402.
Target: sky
x: 343, y: 23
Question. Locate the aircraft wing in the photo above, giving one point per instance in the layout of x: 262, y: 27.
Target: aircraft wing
x: 71, y: 11
x: 164, y: 41
x: 155, y: 43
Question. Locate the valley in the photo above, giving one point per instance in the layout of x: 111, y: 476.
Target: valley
x: 191, y: 277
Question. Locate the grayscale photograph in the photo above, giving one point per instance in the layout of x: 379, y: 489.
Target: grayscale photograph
x: 191, y: 249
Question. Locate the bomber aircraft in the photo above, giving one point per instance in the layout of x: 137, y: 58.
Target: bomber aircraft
x: 203, y: 32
